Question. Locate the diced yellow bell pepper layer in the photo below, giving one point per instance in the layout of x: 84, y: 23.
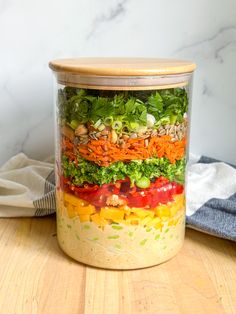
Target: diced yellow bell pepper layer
x: 74, y: 211
x: 132, y: 219
x: 98, y: 220
x: 170, y: 210
x: 155, y: 222
x: 84, y: 218
x: 112, y: 213
x: 174, y: 222
x: 162, y: 211
x: 177, y: 205
x: 142, y: 213
x: 146, y: 220
x: 174, y: 209
x: 179, y: 198
x: 74, y: 200
x: 71, y: 210
x: 123, y: 214
x: 86, y: 210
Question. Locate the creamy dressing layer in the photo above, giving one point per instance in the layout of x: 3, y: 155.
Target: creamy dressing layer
x: 119, y: 246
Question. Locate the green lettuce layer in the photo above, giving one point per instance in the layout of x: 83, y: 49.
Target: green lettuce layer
x: 123, y: 110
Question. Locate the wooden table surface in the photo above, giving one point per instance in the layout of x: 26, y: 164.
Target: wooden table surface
x: 36, y: 277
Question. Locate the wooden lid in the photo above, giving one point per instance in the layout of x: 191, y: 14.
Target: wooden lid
x: 122, y: 66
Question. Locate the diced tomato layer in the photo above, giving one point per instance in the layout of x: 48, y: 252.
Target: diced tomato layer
x: 161, y: 191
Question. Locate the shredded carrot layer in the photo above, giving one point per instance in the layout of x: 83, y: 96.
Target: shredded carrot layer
x: 68, y: 148
x: 104, y: 152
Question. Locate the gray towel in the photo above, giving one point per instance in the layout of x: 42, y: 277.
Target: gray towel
x: 216, y: 216
x: 27, y: 188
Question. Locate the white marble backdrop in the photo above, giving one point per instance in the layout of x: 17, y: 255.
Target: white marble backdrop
x: 34, y: 32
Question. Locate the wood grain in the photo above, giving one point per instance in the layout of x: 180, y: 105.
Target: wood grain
x: 116, y: 66
x: 36, y: 277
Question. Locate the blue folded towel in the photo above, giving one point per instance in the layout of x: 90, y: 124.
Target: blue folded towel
x: 211, y: 198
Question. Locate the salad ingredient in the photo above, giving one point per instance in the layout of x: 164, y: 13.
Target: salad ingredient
x: 177, y: 132
x: 68, y: 133
x: 121, y: 193
x: 129, y: 108
x: 111, y: 213
x: 168, y: 106
x: 81, y: 130
x: 98, y: 220
x: 114, y: 137
x: 103, y: 245
x: 143, y: 182
x: 116, y: 125
x: 150, y: 120
x: 114, y: 200
x: 155, y: 217
x: 105, y: 152
x: 80, y: 171
x: 122, y: 167
x: 73, y: 124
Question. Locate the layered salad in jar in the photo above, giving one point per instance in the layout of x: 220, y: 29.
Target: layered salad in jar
x: 120, y: 175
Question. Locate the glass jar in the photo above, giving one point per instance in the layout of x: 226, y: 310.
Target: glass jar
x: 121, y: 150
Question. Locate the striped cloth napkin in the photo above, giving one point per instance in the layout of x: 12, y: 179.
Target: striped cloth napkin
x: 27, y: 188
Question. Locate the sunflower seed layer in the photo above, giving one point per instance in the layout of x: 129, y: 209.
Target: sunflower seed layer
x: 177, y: 133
